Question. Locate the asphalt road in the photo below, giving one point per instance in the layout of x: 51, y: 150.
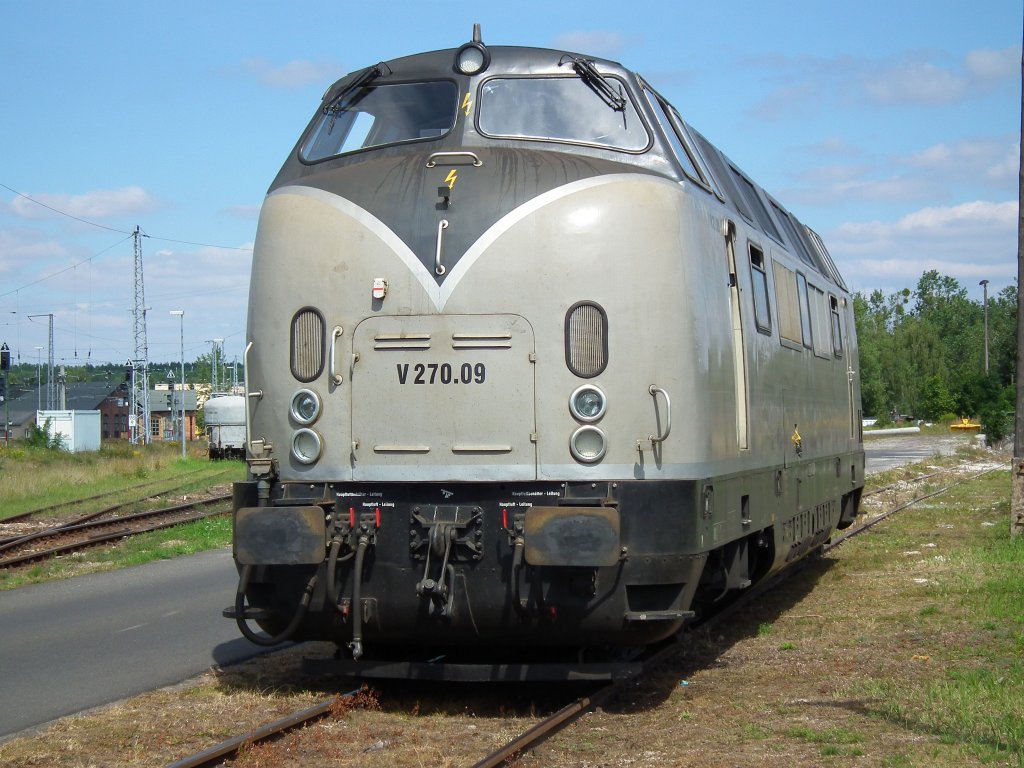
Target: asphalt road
x: 73, y: 644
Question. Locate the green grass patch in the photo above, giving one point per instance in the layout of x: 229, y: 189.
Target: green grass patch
x: 33, y: 478
x: 831, y: 742
x: 957, y: 616
x: 185, y: 539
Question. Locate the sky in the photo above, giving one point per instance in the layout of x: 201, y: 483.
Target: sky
x: 891, y: 128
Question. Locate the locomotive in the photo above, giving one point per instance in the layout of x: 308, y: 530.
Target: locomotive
x: 534, y: 373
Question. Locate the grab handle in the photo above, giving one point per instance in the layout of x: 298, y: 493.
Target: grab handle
x: 442, y: 225
x: 249, y: 395
x: 335, y: 376
x: 655, y: 391
x: 432, y: 160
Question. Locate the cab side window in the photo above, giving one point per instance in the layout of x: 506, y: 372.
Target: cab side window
x: 759, y: 281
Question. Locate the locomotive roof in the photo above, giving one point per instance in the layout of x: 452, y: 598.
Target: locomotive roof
x: 505, y: 59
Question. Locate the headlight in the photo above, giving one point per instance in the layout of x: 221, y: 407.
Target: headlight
x: 305, y: 406
x: 588, y: 444
x: 588, y: 403
x: 472, y: 58
x: 306, y: 446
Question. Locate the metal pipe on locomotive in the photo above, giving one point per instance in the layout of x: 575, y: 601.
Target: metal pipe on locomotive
x: 532, y: 367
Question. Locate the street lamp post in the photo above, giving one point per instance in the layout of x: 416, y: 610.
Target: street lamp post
x: 181, y: 327
x: 984, y: 288
x: 39, y: 378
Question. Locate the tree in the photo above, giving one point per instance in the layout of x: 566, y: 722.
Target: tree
x: 936, y: 400
x: 922, y: 352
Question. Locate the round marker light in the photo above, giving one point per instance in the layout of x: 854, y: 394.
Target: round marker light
x: 305, y: 406
x: 588, y: 445
x: 306, y: 446
x: 588, y: 403
x: 472, y: 58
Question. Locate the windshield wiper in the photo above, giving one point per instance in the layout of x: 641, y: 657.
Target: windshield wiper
x: 363, y: 78
x: 600, y: 84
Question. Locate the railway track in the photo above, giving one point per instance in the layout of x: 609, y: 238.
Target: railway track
x: 77, y: 503
x: 89, y: 531
x: 908, y: 482
x: 565, y: 716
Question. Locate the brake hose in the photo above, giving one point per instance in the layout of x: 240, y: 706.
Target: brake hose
x: 268, y: 640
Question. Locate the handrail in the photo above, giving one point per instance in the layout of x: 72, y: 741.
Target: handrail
x: 432, y: 160
x: 442, y: 225
x: 335, y: 335
x: 248, y: 396
x: 655, y: 391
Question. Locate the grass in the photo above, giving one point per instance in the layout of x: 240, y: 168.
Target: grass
x: 32, y: 478
x: 186, y: 539
x: 958, y: 616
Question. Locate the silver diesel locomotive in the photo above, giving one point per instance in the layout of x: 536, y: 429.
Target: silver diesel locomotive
x: 532, y: 367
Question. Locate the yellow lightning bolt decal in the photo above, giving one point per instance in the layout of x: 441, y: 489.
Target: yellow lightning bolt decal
x: 467, y: 104
x: 451, y: 178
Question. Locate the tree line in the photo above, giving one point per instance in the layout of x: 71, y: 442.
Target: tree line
x: 23, y: 376
x: 922, y: 354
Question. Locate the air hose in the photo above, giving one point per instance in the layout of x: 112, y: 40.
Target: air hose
x: 268, y: 640
x: 333, y: 593
x: 356, y: 646
x: 517, y: 564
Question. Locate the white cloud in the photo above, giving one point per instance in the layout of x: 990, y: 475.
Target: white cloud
x: 835, y: 145
x: 978, y: 212
x: 993, y: 159
x: 249, y: 212
x: 295, y: 74
x: 988, y: 165
x: 966, y: 241
x: 808, y: 82
x: 101, y: 204
x: 915, y: 82
x: 845, y: 184
x: 993, y: 65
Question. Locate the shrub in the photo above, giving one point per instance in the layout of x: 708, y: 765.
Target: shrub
x: 40, y: 437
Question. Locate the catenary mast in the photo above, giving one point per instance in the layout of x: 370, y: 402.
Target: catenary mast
x: 140, y: 363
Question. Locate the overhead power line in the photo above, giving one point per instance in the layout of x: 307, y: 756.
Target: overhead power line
x: 130, y: 233
x: 66, y: 269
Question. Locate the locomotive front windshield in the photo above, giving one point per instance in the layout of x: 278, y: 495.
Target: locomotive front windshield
x: 559, y: 109
x: 373, y: 116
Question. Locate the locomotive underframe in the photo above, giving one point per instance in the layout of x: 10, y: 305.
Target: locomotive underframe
x: 517, y: 565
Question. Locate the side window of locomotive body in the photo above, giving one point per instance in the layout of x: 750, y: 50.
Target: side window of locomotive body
x: 805, y: 309
x: 820, y: 321
x: 823, y: 254
x: 562, y: 109
x: 379, y: 115
x: 788, y: 305
x: 837, y: 326
x: 679, y: 149
x: 796, y: 243
x: 759, y: 281
x: 746, y: 188
x: 716, y: 163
